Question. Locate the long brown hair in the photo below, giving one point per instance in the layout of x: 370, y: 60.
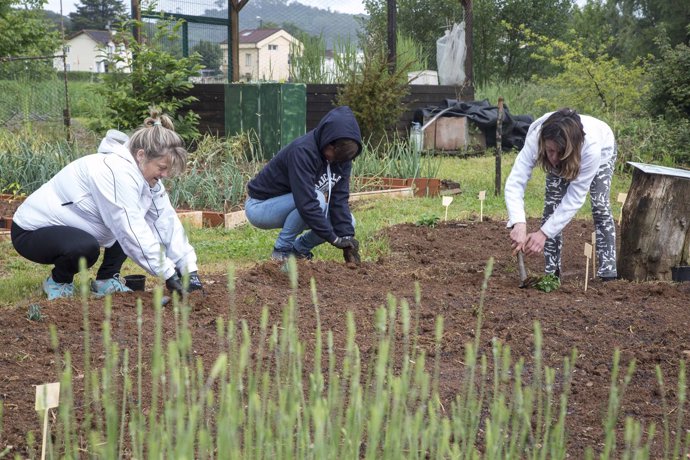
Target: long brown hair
x: 563, y: 127
x: 157, y: 138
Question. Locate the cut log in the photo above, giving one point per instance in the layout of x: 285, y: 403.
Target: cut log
x: 655, y: 228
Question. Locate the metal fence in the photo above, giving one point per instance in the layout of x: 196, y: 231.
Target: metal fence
x: 31, y: 92
x: 206, y: 28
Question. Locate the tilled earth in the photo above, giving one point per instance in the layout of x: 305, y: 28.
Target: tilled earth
x: 648, y: 322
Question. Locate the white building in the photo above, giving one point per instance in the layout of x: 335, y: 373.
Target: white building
x: 92, y: 51
x: 264, y: 54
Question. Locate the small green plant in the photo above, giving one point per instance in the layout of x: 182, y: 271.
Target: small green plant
x: 34, y: 313
x: 428, y: 221
x: 548, y: 283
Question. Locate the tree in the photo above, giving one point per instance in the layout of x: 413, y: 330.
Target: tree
x: 97, y: 14
x: 26, y: 30
x: 211, y: 54
x: 637, y: 25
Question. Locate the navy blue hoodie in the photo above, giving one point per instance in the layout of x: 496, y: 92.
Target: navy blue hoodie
x: 300, y: 169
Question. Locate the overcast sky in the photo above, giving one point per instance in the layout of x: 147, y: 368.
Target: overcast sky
x: 343, y: 6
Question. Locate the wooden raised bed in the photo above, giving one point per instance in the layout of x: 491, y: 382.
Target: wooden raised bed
x: 421, y: 186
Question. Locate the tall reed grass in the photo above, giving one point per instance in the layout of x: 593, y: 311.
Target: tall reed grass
x: 258, y: 400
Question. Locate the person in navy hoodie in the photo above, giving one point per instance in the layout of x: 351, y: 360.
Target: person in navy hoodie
x: 307, y: 186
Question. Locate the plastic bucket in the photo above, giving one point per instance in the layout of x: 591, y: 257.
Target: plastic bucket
x: 135, y: 282
x: 680, y: 273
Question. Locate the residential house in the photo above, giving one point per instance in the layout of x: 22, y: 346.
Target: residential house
x: 92, y: 51
x: 264, y: 54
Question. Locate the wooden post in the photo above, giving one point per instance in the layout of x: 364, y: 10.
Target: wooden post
x: 655, y: 231
x: 499, y: 147
x: 469, y: 72
x: 234, y: 8
x: 392, y: 29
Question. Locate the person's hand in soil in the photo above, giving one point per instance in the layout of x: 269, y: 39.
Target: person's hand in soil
x: 343, y: 242
x: 351, y: 255
x: 174, y: 284
x: 194, y: 282
x: 518, y: 237
x: 535, y: 243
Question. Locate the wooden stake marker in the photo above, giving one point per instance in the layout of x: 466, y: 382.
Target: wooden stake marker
x: 446, y: 201
x: 47, y: 397
x: 594, y: 252
x: 588, y: 254
x: 621, y: 199
x: 482, y: 197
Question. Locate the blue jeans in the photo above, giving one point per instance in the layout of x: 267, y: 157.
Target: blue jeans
x: 281, y: 212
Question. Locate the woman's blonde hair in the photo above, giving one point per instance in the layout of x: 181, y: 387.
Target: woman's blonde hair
x: 157, y: 138
x: 564, y: 128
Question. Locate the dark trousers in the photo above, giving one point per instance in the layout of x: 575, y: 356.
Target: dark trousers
x: 63, y: 247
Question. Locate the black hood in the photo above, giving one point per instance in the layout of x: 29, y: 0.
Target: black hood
x: 339, y: 123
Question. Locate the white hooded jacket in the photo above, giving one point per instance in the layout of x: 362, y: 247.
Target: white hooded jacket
x: 106, y: 195
x: 598, y: 147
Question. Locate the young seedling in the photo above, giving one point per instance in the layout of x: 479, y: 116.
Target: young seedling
x: 34, y: 313
x: 548, y: 283
x: 482, y: 197
x: 446, y: 201
x: 428, y: 221
x: 47, y: 397
x: 588, y: 254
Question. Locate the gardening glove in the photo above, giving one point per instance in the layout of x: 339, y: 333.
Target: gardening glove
x: 194, y: 282
x: 351, y: 254
x: 174, y: 284
x: 343, y: 242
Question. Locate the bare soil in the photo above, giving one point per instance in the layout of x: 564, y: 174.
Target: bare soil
x: 648, y: 322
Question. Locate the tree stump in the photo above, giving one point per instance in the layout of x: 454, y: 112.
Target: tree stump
x: 655, y: 229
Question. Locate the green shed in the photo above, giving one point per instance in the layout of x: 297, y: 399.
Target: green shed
x: 276, y: 112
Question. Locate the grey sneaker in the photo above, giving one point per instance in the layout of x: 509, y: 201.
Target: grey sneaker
x: 55, y: 290
x: 282, y: 255
x: 114, y: 284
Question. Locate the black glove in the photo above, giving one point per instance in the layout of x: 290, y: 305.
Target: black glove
x: 194, y: 282
x: 343, y: 242
x: 351, y: 254
x: 174, y: 284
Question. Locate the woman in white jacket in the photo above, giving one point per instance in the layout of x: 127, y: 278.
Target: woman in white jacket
x: 113, y: 199
x: 578, y: 153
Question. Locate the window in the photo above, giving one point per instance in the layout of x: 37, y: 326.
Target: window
x: 272, y: 47
x: 247, y: 59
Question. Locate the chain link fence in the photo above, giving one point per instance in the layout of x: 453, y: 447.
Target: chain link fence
x: 205, y: 30
x: 31, y: 91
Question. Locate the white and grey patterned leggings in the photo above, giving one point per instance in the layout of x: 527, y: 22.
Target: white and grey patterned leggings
x: 604, y: 224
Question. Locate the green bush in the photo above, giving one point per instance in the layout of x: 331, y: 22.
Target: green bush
x: 670, y: 91
x: 374, y: 94
x: 152, y: 74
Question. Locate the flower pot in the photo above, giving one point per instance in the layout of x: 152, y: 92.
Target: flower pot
x: 680, y: 273
x: 135, y: 282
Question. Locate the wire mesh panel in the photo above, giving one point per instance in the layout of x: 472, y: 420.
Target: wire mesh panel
x: 31, y: 91
x: 205, y: 31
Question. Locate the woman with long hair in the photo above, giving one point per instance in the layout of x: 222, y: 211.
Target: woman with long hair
x: 578, y: 153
